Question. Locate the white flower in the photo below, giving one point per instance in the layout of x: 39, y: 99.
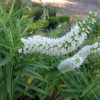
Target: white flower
x: 69, y: 40
x: 80, y: 23
x: 83, y: 21
x: 87, y: 31
x: 87, y: 16
x: 59, y: 25
x: 20, y: 50
x: 93, y: 20
x: 95, y: 14
x: 70, y: 64
x: 83, y: 29
x: 90, y: 12
x: 37, y: 43
x: 78, y: 58
x: 88, y: 27
x: 76, y: 26
x: 86, y: 19
x: 95, y: 45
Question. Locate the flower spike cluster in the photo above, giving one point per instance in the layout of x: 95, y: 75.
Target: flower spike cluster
x: 58, y: 46
x: 78, y: 58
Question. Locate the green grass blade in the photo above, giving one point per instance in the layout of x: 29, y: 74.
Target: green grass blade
x: 3, y: 11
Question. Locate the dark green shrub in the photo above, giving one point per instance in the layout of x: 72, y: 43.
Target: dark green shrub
x: 42, y: 23
x: 64, y: 18
x: 53, y: 20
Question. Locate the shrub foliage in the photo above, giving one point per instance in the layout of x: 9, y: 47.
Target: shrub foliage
x: 64, y: 18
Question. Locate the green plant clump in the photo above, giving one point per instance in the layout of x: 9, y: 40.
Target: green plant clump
x: 64, y: 18
x: 42, y: 23
x: 26, y: 11
x: 53, y: 20
x: 31, y: 25
x: 35, y: 12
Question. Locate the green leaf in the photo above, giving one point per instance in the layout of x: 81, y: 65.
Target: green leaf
x: 4, y: 44
x: 9, y: 80
x: 83, y: 76
x: 3, y: 51
x: 96, y: 81
x: 66, y: 83
x: 11, y: 9
x: 18, y: 12
x: 75, y: 97
x: 21, y: 91
x: 96, y: 95
x: 86, y: 90
x: 33, y: 75
x: 3, y: 11
x: 19, y: 28
x: 35, y: 64
x: 0, y: 70
x: 6, y: 60
x: 30, y: 57
x: 52, y: 84
x: 12, y: 31
x: 73, y: 90
x: 32, y: 70
x: 31, y: 86
x: 72, y: 79
x: 51, y: 75
x: 18, y: 68
x: 60, y: 90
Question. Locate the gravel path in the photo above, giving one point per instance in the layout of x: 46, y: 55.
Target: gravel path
x: 78, y: 8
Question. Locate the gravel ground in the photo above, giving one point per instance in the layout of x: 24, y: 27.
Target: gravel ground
x: 78, y: 8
